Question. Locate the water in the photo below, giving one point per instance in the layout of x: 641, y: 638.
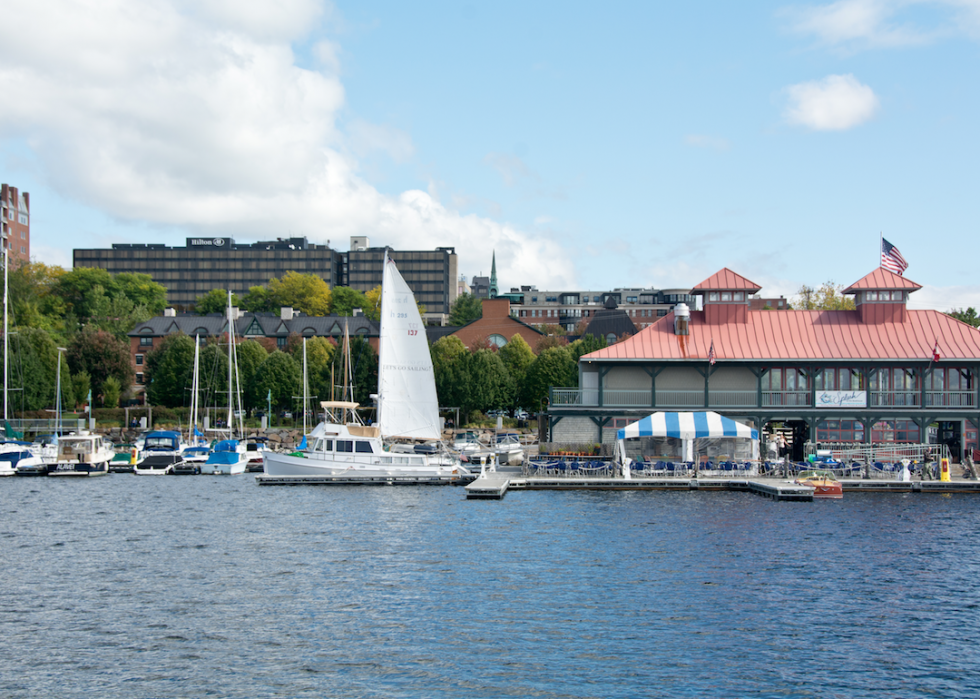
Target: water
x: 189, y: 587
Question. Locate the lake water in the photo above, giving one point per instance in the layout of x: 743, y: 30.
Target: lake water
x: 203, y: 586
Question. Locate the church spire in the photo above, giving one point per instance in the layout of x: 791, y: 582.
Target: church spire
x: 493, y: 276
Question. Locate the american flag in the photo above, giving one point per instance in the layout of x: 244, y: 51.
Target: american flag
x: 891, y: 258
x: 711, y: 353
x: 935, y: 352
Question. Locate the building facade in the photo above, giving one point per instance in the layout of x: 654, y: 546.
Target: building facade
x: 568, y: 308
x: 271, y: 330
x: 16, y: 224
x: 220, y: 263
x: 880, y: 374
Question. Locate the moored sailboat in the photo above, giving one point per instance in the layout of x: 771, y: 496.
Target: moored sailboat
x: 232, y: 456
x: 343, y: 449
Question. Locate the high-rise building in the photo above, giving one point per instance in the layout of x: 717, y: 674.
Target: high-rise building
x: 221, y: 263
x: 16, y: 234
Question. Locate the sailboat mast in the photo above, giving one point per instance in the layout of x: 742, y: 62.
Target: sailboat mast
x: 194, y: 388
x: 231, y: 343
x: 379, y: 401
x: 306, y: 386
x: 6, y: 346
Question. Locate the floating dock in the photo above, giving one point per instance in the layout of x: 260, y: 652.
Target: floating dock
x: 493, y: 486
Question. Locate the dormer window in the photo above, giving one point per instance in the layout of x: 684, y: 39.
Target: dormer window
x: 870, y: 295
x: 726, y: 296
x: 712, y: 295
x: 739, y: 296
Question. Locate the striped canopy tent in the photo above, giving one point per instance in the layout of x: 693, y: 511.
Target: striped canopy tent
x: 687, y: 426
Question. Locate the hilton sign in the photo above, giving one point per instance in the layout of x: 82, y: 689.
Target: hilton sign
x: 208, y: 242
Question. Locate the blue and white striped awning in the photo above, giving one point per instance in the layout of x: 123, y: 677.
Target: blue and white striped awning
x: 687, y: 426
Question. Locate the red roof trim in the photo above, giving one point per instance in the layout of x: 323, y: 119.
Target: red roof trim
x: 881, y: 278
x: 727, y: 280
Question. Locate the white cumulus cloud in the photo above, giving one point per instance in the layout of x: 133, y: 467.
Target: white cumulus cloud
x: 835, y: 103
x: 199, y: 117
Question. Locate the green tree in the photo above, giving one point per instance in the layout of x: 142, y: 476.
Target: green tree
x: 111, y: 390
x: 586, y: 344
x: 280, y: 374
x: 517, y: 358
x: 33, y: 303
x: 169, y: 370
x: 969, y: 316
x: 258, y: 300
x: 141, y: 290
x: 319, y: 355
x: 304, y: 292
x: 465, y: 309
x: 449, y: 368
x: 364, y: 365
x: 33, y: 360
x: 213, y: 376
x: 343, y: 301
x: 553, y: 367
x: 827, y: 298
x: 215, y: 301
x: 101, y: 355
x: 250, y: 354
x: 489, y: 385
x: 82, y: 384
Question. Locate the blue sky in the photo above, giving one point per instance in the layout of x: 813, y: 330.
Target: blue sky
x: 591, y: 147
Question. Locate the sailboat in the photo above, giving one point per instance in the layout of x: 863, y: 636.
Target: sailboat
x: 342, y: 449
x: 228, y: 457
x: 197, y: 451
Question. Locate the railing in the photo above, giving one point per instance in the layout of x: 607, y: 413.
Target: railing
x: 632, y: 398
x: 894, y: 399
x: 786, y: 398
x: 950, y: 399
x: 46, y: 426
x: 849, y: 452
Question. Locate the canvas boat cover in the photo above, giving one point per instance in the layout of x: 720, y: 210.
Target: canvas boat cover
x: 687, y: 426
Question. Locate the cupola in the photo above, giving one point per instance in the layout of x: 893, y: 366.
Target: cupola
x: 882, y: 296
x: 725, y: 297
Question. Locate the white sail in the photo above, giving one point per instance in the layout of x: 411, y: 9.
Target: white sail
x: 407, y: 401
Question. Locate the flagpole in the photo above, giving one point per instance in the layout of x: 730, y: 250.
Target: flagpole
x: 881, y: 245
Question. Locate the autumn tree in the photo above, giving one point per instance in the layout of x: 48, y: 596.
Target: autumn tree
x: 304, y: 292
x: 101, y: 355
x: 827, y: 298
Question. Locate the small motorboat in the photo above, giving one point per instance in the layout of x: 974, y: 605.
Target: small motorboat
x: 83, y: 454
x: 824, y: 484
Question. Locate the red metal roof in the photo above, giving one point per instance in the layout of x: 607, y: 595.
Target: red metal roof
x: 798, y: 335
x: 881, y: 278
x: 727, y: 280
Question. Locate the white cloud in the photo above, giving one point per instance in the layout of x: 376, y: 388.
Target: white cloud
x: 835, y: 103
x: 510, y: 168
x: 857, y: 24
x: 198, y: 117
x: 702, y: 141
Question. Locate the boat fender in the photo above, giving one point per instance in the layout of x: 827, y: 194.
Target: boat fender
x: 132, y: 457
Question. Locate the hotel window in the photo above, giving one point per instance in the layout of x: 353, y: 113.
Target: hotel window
x: 23, y: 235
x: 22, y: 218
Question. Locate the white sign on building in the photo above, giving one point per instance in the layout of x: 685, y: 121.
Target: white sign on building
x: 842, y: 399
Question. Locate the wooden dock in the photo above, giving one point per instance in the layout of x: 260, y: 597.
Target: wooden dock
x: 493, y: 486
x: 263, y: 479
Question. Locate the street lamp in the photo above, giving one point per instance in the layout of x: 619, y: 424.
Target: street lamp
x: 57, y: 399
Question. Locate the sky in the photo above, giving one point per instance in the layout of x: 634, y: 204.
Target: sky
x: 589, y: 145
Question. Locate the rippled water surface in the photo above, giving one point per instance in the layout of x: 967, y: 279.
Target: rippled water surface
x: 188, y: 587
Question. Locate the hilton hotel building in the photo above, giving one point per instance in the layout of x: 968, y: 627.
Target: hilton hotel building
x: 221, y: 263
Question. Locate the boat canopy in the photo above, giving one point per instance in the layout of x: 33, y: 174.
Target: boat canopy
x: 687, y: 426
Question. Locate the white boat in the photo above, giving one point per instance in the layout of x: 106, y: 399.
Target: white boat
x: 467, y: 443
x: 161, y: 452
x: 229, y: 456
x: 255, y: 448
x: 342, y: 448
x: 82, y: 454
x: 14, y: 454
x: 508, y: 448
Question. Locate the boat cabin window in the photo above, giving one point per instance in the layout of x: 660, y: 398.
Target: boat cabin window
x: 364, y: 447
x: 344, y: 445
x: 323, y: 445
